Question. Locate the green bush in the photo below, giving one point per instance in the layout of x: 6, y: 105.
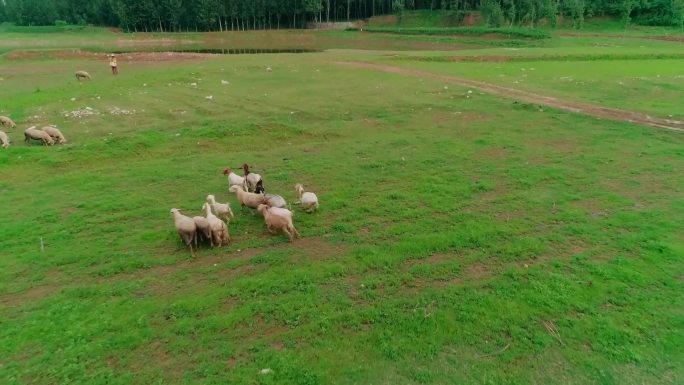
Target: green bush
x: 61, y: 23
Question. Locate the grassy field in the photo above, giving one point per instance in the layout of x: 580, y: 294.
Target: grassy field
x: 462, y: 238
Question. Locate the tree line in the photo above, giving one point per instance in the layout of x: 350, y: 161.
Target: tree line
x: 210, y: 15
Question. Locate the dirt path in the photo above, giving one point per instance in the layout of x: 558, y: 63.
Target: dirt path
x: 530, y: 97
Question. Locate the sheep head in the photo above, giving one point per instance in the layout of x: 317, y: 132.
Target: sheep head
x: 261, y: 208
x: 299, y: 188
x: 259, y: 189
x: 211, y: 198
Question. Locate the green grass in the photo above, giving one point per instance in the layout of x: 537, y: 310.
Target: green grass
x: 475, y: 31
x: 451, y: 230
x: 653, y: 85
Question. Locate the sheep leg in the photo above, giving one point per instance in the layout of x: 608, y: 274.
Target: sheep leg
x: 289, y: 234
x: 294, y: 231
x: 271, y: 230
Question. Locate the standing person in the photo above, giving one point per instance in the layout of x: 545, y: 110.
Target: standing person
x: 112, y: 63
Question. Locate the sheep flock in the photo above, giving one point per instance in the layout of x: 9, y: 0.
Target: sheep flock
x: 212, y: 228
x: 48, y: 135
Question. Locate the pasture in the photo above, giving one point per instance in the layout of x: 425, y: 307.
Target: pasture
x: 463, y: 237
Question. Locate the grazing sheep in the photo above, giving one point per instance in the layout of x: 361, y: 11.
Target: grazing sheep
x: 4, y: 140
x: 186, y: 228
x: 222, y: 210
x: 55, y: 134
x: 234, y: 179
x: 247, y: 198
x: 276, y: 221
x: 203, y: 229
x: 219, y: 230
x: 308, y: 200
x: 5, y: 121
x: 251, y: 179
x: 33, y: 133
x: 82, y: 75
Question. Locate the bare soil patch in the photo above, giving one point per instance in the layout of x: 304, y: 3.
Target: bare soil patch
x: 530, y: 97
x: 31, y: 295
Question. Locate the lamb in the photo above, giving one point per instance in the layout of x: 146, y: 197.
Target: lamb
x: 275, y: 221
x: 33, y: 133
x: 308, y: 200
x: 4, y: 140
x: 222, y: 210
x: 219, y: 230
x: 186, y: 228
x: 82, y: 75
x: 203, y: 229
x: 5, y: 121
x: 234, y: 179
x: 55, y: 134
x: 247, y: 198
x: 251, y: 179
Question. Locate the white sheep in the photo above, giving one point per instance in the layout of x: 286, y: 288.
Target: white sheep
x: 186, y: 228
x: 33, y: 133
x: 219, y: 230
x: 4, y: 140
x: 5, y: 121
x: 222, y: 210
x: 276, y: 222
x: 234, y: 179
x: 282, y: 212
x: 203, y: 229
x: 55, y: 134
x: 308, y: 200
x: 245, y: 198
x: 82, y: 75
x: 252, y: 179
x: 274, y: 200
